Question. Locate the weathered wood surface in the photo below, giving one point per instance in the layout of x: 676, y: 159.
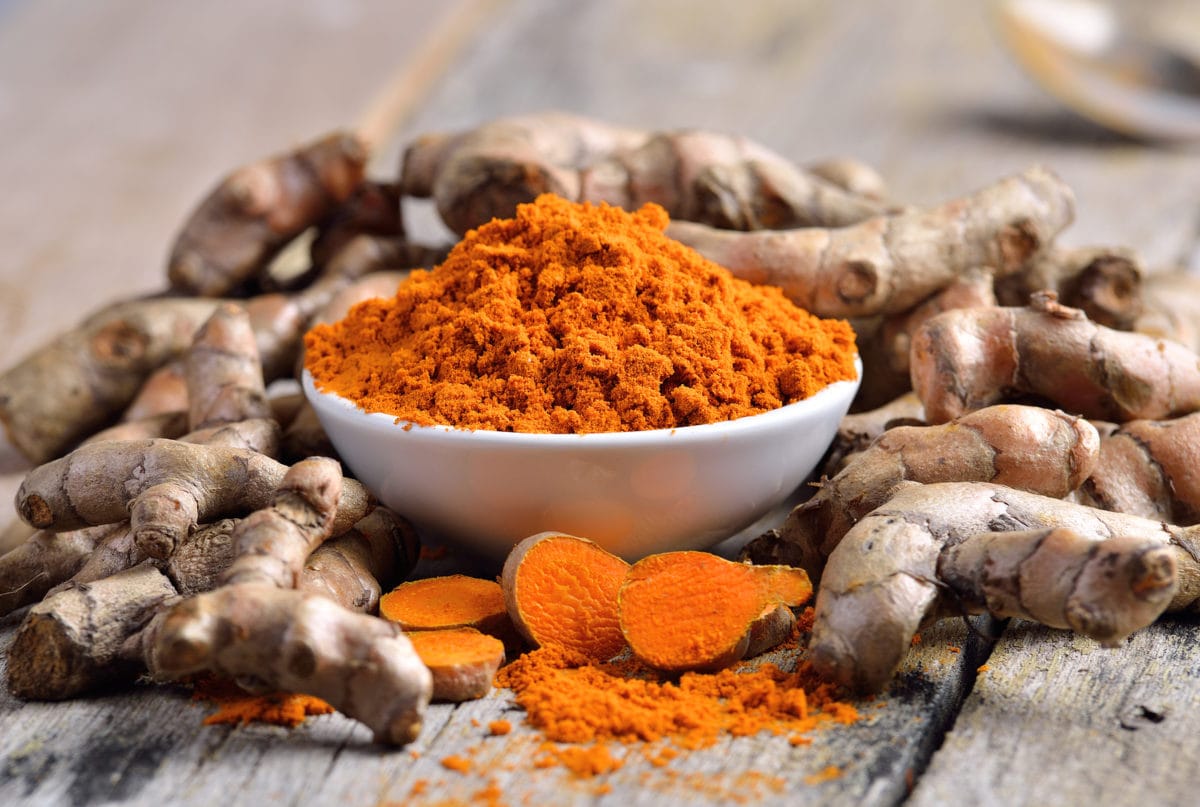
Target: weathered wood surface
x: 1055, y: 719
x: 118, y: 116
x: 147, y: 747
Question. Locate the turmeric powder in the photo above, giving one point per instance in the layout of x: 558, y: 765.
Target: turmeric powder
x: 572, y: 699
x: 574, y: 318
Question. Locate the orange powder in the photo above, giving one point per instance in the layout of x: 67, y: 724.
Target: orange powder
x: 574, y: 318
x: 236, y: 706
x: 574, y: 700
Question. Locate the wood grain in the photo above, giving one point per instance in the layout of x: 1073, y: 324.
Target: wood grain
x: 1058, y: 720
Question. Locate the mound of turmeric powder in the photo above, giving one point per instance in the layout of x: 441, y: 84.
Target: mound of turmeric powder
x: 577, y: 318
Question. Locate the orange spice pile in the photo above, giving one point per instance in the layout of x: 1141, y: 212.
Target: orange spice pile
x: 572, y: 699
x: 575, y: 318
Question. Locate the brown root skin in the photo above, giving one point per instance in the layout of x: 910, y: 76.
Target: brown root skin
x: 257, y: 209
x: 462, y: 661
x: 968, y: 359
x: 1024, y: 447
x: 223, y: 372
x: 772, y: 628
x: 1101, y: 589
x: 1104, y: 282
x: 352, y: 569
x: 74, y: 641
x: 858, y: 430
x: 684, y: 611
x: 287, y: 640
x: 168, y: 425
x: 880, y: 583
x: 271, y: 545
x: 164, y: 487
x: 1147, y: 468
x: 163, y: 392
x: 851, y: 175
x: 306, y: 437
x: 888, y: 264
x: 699, y: 176
x: 372, y: 209
x: 115, y: 552
x: 81, y: 381
x: 540, y: 568
x: 198, y: 562
x: 43, y: 561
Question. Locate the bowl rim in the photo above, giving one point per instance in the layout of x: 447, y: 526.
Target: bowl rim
x: 721, y: 429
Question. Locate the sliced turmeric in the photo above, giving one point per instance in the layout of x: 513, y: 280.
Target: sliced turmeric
x: 463, y: 661
x: 452, y: 601
x: 696, y: 611
x: 561, y: 590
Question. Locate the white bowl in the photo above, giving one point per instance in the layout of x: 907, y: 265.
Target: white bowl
x: 635, y: 493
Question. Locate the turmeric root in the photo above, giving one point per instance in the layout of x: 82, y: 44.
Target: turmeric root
x: 257, y: 628
x: 43, y: 561
x: 858, y: 430
x: 287, y: 640
x: 1025, y: 447
x: 1102, y: 589
x: 272, y: 544
x: 851, y: 175
x: 76, y: 640
x: 373, y: 208
x: 306, y: 437
x: 258, y: 208
x: 223, y: 371
x: 881, y: 582
x: 164, y: 391
x: 888, y: 264
x: 168, y: 425
x: 352, y: 568
x: 453, y: 601
x: 725, y: 181
x: 695, y: 611
x: 1148, y: 468
x: 164, y: 487
x: 967, y: 359
x: 1104, y: 282
x: 536, y: 573
x: 69, y: 388
x: 462, y: 661
x: 885, y: 350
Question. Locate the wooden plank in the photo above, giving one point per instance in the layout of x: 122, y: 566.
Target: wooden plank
x: 1058, y: 720
x: 146, y: 746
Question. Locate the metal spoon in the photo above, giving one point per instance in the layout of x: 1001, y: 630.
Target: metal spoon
x: 1128, y: 72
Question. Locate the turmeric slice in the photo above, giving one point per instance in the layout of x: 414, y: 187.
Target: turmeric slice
x: 561, y: 590
x: 695, y: 611
x: 463, y: 661
x: 453, y: 601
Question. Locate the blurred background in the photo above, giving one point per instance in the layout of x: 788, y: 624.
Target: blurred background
x: 117, y: 117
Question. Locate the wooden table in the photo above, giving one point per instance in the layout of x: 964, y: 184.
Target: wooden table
x: 116, y: 117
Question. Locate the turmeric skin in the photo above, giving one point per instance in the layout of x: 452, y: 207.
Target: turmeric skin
x: 537, y: 576
x: 971, y: 358
x: 577, y: 319
x: 695, y: 611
